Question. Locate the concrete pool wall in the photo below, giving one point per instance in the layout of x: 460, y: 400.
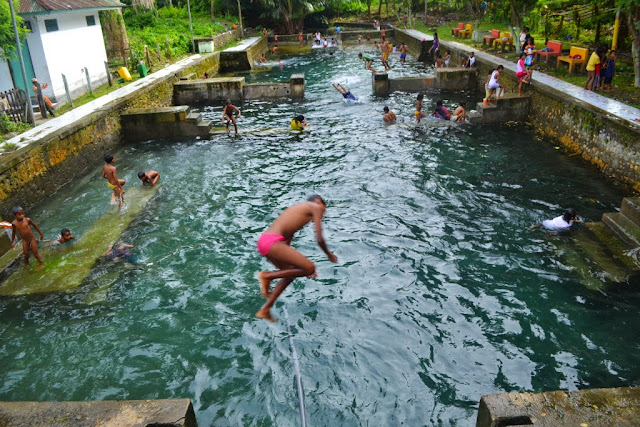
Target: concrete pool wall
x: 51, y: 154
x: 599, y: 129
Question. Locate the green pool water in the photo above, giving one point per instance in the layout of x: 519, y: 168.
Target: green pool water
x: 441, y: 294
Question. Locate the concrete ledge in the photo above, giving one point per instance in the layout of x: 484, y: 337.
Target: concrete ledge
x: 162, y: 122
x: 243, y: 56
x: 168, y: 412
x: 593, y: 407
x: 214, y: 89
x: 267, y: 90
x: 456, y: 78
x: 412, y: 84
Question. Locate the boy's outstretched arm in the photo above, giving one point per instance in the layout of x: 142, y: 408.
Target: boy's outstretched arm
x: 317, y: 220
x: 37, y: 229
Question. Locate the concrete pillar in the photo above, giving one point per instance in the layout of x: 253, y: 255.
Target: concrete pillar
x: 297, y: 86
x: 380, y: 84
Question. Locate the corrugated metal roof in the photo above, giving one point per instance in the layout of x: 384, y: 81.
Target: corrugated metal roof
x: 35, y: 6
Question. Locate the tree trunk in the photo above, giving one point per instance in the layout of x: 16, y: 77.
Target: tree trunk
x: 115, y: 34
x: 633, y: 18
x: 379, y: 8
x: 143, y: 4
x: 368, y: 7
x: 213, y: 10
x: 516, y: 21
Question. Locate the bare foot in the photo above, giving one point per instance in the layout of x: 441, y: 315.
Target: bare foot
x: 313, y: 275
x: 39, y: 267
x: 264, y: 285
x: 265, y: 314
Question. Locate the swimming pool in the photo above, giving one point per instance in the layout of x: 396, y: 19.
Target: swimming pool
x: 441, y: 293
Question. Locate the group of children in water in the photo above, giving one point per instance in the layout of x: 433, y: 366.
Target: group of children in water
x: 22, y: 225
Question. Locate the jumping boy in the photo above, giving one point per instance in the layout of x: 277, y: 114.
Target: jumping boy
x: 228, y: 117
x: 275, y: 245
x: 23, y: 225
x: 149, y: 177
x: 368, y: 62
x: 344, y: 92
x: 109, y: 173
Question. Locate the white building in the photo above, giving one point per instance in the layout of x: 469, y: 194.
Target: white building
x: 65, y: 37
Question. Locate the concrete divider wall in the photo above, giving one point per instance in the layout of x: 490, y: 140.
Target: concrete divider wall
x: 417, y: 47
x: 67, y: 145
x: 267, y: 90
x: 242, y: 57
x: 601, y: 138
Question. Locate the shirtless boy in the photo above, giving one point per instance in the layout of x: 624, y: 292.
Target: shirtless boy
x: 228, y: 117
x: 149, y: 177
x: 419, y: 113
x: 109, y: 173
x: 65, y: 236
x: 23, y: 225
x: 389, y: 116
x: 275, y: 245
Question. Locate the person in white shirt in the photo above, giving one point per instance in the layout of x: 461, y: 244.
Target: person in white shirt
x: 562, y: 222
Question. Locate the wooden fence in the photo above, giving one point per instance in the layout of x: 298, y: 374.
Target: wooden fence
x: 14, y: 103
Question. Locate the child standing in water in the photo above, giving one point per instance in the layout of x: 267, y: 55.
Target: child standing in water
x: 418, y: 113
x: 23, y: 225
x: 275, y: 245
x: 228, y: 117
x: 109, y: 173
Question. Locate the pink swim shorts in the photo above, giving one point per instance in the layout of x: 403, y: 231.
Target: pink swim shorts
x: 267, y: 240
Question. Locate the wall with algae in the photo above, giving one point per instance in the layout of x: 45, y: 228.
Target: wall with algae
x: 602, y: 139
x: 37, y: 170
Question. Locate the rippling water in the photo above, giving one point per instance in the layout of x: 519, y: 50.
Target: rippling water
x: 441, y: 294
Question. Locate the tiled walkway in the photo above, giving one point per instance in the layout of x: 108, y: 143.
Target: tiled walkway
x: 606, y: 105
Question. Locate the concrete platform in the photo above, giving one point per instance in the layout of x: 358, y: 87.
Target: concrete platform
x: 130, y: 413
x: 593, y: 407
x: 163, y: 122
x: 65, y: 268
x: 243, y: 56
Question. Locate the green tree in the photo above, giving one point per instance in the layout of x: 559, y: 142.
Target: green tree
x: 631, y: 9
x: 291, y: 12
x: 7, y: 38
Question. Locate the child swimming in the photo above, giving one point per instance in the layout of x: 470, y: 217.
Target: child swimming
x: 275, y: 245
x: 562, y: 222
x: 149, y: 177
x: 298, y: 122
x: 65, y: 236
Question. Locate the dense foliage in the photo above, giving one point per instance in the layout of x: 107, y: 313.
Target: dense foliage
x: 7, y: 37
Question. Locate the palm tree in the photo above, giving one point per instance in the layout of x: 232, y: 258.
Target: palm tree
x: 292, y: 12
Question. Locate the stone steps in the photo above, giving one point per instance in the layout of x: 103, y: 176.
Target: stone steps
x: 631, y: 209
x: 508, y: 108
x: 621, y: 225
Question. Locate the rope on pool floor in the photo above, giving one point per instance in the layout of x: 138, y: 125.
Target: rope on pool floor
x: 296, y: 367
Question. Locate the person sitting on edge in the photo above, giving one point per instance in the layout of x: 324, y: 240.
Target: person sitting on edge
x: 47, y: 102
x: 471, y: 61
x: 494, y: 84
x: 419, y: 113
x: 228, y: 117
x: 23, y: 225
x: 389, y: 116
x: 275, y: 245
x: 441, y: 111
x: 562, y: 222
x: 298, y: 122
x: 263, y: 59
x: 344, y: 92
x: 206, y: 75
x: 149, y: 177
x: 459, y: 114
x: 109, y: 173
x: 300, y: 37
x: 65, y: 236
x: 264, y: 32
x: 439, y: 61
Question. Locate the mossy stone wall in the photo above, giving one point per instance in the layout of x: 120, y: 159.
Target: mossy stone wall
x: 30, y: 174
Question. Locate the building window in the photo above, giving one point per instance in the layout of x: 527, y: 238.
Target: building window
x: 91, y: 20
x: 51, y: 25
